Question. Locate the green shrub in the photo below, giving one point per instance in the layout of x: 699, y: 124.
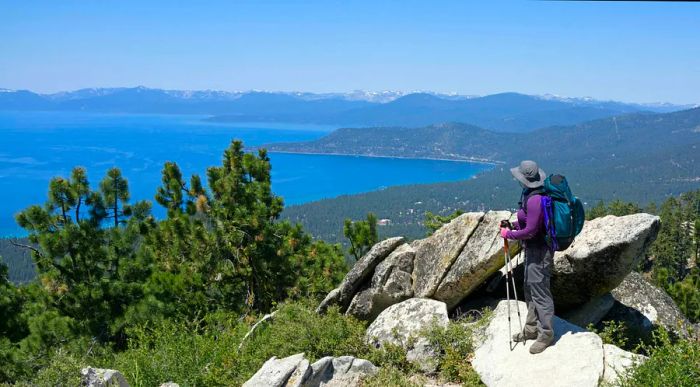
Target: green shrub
x: 670, y: 363
x: 64, y: 370
x: 613, y: 332
x: 390, y: 376
x: 454, y: 347
x: 170, y: 351
x: 633, y: 339
x: 298, y: 328
x: 213, y: 351
x: 207, y: 352
x: 390, y: 356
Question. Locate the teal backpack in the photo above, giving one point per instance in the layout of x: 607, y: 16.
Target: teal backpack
x: 563, y: 213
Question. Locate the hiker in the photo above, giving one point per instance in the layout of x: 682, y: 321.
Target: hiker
x: 530, y: 229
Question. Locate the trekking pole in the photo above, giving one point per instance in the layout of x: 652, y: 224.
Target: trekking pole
x: 505, y: 258
x: 512, y: 280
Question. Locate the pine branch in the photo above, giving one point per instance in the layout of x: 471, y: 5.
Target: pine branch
x: 34, y: 249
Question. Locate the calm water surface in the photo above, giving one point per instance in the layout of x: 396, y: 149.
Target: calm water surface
x: 36, y: 146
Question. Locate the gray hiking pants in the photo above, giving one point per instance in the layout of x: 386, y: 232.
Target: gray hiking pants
x: 540, y: 305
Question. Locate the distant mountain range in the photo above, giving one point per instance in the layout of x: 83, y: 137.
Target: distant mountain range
x: 509, y: 112
x: 635, y: 157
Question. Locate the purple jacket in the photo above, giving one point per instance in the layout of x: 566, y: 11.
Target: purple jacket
x: 530, y: 225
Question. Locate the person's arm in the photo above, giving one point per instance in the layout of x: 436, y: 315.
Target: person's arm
x: 532, y: 223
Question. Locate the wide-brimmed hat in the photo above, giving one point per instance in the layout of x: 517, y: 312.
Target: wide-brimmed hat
x: 529, y: 174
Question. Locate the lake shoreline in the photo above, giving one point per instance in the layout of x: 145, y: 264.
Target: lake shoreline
x: 141, y: 144
x: 475, y: 161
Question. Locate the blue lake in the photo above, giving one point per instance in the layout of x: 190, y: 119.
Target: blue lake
x: 36, y: 146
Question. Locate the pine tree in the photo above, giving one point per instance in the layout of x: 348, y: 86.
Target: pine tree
x: 361, y: 234
x: 115, y: 191
x: 13, y: 327
x: 83, y: 284
x: 686, y: 293
x: 673, y: 246
x: 81, y: 189
x: 62, y: 197
x: 226, y: 249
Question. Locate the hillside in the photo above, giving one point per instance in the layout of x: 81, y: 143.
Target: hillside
x: 447, y: 141
x: 505, y: 112
x: 639, y: 157
x: 21, y: 268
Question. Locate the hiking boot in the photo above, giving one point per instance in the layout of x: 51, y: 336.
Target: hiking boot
x: 525, y: 335
x: 541, y: 344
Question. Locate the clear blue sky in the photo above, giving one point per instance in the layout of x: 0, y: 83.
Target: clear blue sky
x: 640, y: 52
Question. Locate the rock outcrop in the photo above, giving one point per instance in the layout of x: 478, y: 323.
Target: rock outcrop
x: 607, y: 249
x: 462, y: 255
x: 359, y: 272
x: 642, y: 306
x: 576, y: 358
x: 295, y: 371
x: 99, y: 377
x: 390, y: 284
x: 479, y: 259
x: 404, y: 324
x: 435, y: 254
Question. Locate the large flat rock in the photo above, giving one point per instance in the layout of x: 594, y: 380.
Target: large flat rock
x: 436, y: 254
x: 575, y: 359
x: 607, y: 249
x: 480, y: 258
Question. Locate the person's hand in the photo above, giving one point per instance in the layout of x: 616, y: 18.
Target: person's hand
x: 504, y: 233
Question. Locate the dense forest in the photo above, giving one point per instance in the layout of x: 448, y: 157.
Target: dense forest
x: 18, y: 259
x: 640, y: 158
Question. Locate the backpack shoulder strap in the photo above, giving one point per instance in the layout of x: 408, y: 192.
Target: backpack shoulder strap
x: 527, y: 193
